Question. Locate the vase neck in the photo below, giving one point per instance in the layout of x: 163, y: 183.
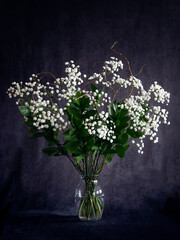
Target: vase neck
x: 93, y: 179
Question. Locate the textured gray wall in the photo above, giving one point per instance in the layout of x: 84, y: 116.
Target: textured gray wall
x: 42, y: 37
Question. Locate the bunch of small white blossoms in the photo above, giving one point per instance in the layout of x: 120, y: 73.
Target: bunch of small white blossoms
x: 146, y: 118
x: 39, y: 99
x: 48, y: 101
x: 45, y: 100
x: 100, y: 126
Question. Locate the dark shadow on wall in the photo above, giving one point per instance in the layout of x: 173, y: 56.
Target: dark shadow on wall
x: 10, y: 193
x: 166, y: 205
x: 172, y: 206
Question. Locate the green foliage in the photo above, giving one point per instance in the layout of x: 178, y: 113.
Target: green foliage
x: 122, y: 123
x: 52, y: 151
x: 48, y: 134
x: 135, y: 134
x: 108, y: 158
x: 79, y: 158
x: 90, y: 113
x: 120, y: 150
x: 32, y: 130
x: 126, y: 146
x: 88, y: 144
x: 109, y: 151
x: 37, y: 135
x: 94, y: 148
x: 69, y: 134
x: 120, y: 119
x: 115, y: 106
x: 25, y: 111
x: 73, y: 147
x: 75, y: 111
x: 77, y: 140
x: 29, y: 122
x: 93, y: 87
x: 122, y: 113
x: 117, y: 122
x: 123, y: 138
x: 112, y: 113
x: 81, y: 101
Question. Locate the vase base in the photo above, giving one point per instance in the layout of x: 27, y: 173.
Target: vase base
x: 89, y: 219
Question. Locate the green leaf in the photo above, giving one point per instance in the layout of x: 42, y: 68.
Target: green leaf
x: 120, y: 150
x: 68, y: 135
x: 122, y: 113
x: 126, y: 146
x: 89, y: 113
x: 72, y: 132
x: 51, y: 137
x: 98, y: 99
x: 25, y: 111
x: 118, y: 130
x: 79, y: 158
x: 135, y: 134
x: 74, y: 102
x: 76, y: 122
x: 125, y: 119
x: 52, y: 151
x: 37, y: 135
x: 122, y: 118
x: 117, y: 122
x: 89, y: 144
x: 124, y: 138
x: 108, y: 158
x: 83, y: 132
x: 81, y: 102
x: 111, y: 111
x: 32, y: 130
x: 29, y: 122
x: 52, y: 142
x: 109, y: 151
x: 93, y: 87
x: 73, y: 147
x: 115, y: 105
x: 84, y: 103
x: 94, y: 148
x: 74, y: 111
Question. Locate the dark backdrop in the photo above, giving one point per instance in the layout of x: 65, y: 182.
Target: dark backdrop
x: 41, y: 37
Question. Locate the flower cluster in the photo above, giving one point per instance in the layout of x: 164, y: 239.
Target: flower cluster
x: 144, y: 117
x: 113, y: 65
x: 100, y: 126
x: 110, y: 67
x: 48, y: 101
x: 73, y: 80
x: 159, y: 94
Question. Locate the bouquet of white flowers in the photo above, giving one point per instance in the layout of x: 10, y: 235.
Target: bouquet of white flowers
x: 83, y: 119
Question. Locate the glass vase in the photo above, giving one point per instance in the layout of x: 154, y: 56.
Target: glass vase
x: 89, y: 199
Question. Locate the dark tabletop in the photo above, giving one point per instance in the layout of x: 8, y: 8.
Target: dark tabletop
x: 118, y: 224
